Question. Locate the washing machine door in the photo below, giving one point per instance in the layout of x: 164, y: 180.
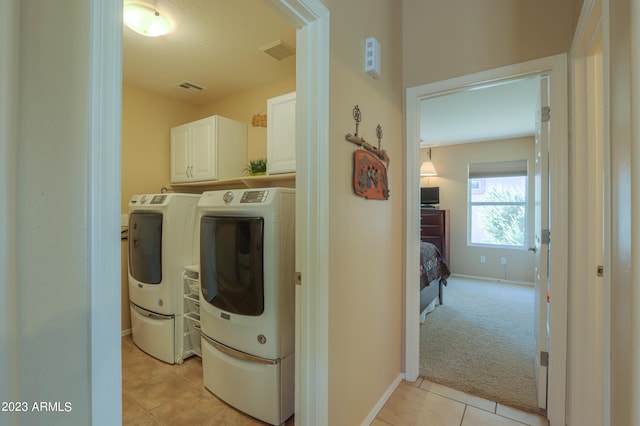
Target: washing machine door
x: 231, y: 263
x: 145, y: 247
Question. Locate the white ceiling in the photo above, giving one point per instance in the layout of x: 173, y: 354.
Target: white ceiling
x: 214, y: 44
x: 495, y: 112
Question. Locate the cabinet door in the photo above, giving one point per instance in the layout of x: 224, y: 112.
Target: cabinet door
x: 204, y: 149
x: 281, y: 134
x: 180, y: 154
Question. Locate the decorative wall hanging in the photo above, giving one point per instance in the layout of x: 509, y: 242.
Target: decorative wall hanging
x: 369, y: 164
x: 259, y: 120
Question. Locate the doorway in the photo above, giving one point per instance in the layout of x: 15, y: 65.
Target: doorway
x: 311, y: 19
x: 555, y: 68
x: 483, y: 147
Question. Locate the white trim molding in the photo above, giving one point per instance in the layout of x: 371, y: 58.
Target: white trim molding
x: 312, y: 207
x: 588, y: 370
x: 103, y: 214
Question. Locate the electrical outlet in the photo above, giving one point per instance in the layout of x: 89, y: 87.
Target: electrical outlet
x: 503, y: 260
x: 483, y: 259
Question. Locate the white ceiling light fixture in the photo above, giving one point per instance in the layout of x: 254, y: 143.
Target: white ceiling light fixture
x: 145, y: 20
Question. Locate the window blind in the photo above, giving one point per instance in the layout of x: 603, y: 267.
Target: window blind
x: 498, y: 169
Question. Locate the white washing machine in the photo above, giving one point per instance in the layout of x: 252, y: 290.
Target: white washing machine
x: 247, y: 299
x: 161, y: 235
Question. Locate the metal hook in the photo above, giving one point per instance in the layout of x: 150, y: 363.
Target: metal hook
x: 357, y: 116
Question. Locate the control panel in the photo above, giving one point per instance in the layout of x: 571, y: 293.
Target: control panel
x: 254, y: 197
x: 157, y: 199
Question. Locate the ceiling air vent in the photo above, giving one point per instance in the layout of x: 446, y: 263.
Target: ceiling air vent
x: 190, y: 87
x: 278, y: 50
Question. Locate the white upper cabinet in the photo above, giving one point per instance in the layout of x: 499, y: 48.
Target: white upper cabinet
x: 281, y: 134
x: 212, y: 148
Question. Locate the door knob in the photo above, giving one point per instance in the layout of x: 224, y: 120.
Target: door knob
x: 533, y: 249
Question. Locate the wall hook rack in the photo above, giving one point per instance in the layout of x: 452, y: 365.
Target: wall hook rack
x: 369, y: 164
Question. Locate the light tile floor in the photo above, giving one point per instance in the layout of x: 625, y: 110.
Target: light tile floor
x: 156, y: 393
x: 426, y: 403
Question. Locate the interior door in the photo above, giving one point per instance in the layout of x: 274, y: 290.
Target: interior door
x: 541, y: 247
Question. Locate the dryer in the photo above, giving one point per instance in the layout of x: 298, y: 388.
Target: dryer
x: 247, y: 299
x: 161, y: 236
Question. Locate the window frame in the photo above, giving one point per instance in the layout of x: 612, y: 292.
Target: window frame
x: 499, y: 169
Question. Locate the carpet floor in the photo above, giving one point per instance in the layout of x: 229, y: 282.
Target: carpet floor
x: 480, y: 341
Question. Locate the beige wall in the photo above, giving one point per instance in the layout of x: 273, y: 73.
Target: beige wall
x: 452, y: 164
x: 147, y: 120
x: 365, y: 294
x: 445, y: 39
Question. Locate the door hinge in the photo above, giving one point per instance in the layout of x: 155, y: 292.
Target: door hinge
x: 545, y: 114
x: 600, y: 271
x: 544, y: 358
x: 298, y: 278
x: 545, y: 237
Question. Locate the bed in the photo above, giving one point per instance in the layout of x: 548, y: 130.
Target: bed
x: 433, y: 277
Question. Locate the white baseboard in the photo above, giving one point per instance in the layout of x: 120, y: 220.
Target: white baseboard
x: 495, y: 280
x: 126, y: 332
x: 383, y: 400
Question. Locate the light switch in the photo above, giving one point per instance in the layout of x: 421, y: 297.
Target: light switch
x: 372, y: 57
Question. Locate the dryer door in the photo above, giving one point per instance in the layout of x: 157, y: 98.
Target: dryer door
x: 145, y: 247
x: 231, y: 263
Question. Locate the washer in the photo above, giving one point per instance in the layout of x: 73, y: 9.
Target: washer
x: 247, y: 293
x: 161, y: 235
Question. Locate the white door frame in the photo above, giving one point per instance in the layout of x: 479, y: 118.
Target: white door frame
x: 312, y: 207
x: 590, y: 310
x: 556, y: 68
x: 105, y: 140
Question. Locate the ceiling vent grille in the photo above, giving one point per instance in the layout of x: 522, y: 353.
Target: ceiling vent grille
x: 189, y: 87
x: 278, y: 50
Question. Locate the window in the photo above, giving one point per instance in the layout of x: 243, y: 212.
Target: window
x: 498, y: 204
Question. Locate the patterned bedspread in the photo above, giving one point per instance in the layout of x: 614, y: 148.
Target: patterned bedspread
x: 432, y: 265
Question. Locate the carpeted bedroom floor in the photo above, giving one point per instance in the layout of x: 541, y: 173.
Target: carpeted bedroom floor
x: 480, y: 341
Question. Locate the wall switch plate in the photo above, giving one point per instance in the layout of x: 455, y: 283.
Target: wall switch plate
x: 372, y: 57
x: 483, y: 259
x: 503, y: 260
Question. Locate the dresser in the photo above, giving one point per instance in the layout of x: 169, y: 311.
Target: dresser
x: 434, y: 229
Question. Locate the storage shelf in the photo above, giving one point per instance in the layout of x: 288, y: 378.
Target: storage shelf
x: 240, y: 182
x: 191, y: 305
x: 192, y: 316
x: 192, y: 297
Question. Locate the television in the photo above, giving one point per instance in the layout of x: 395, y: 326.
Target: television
x: 430, y: 196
